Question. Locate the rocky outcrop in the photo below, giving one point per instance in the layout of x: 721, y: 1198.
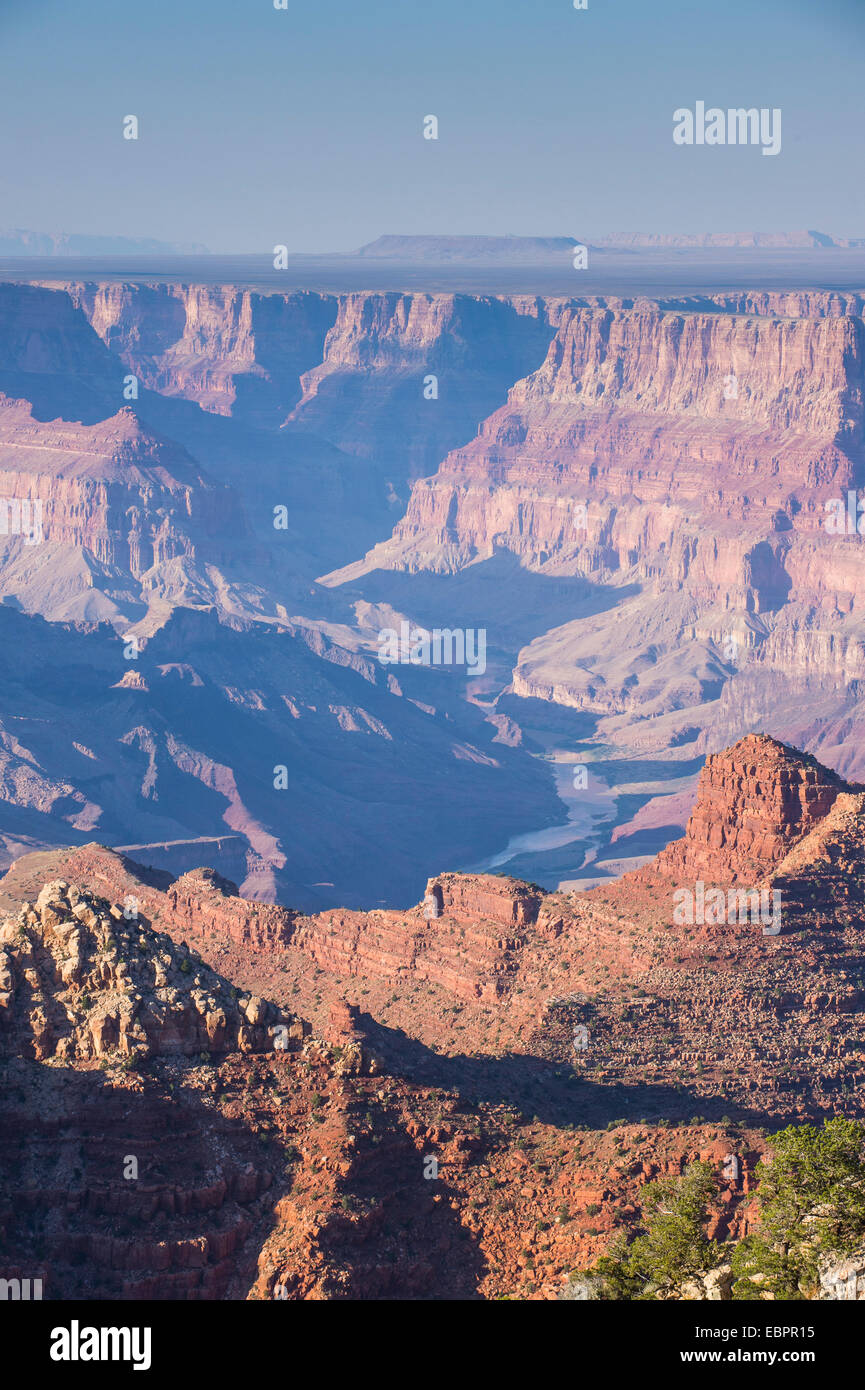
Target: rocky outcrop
x: 821, y: 878
x: 127, y: 1172
x: 82, y: 979
x: 208, y: 904
x: 755, y: 801
x: 467, y: 936
x: 713, y: 1287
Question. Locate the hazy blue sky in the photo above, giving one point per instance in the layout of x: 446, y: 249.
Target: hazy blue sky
x: 304, y: 126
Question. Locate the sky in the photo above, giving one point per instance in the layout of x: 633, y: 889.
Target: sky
x: 304, y: 126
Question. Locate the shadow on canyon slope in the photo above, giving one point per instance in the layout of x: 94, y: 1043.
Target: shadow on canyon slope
x: 553, y: 1093
x: 411, y: 1244
x: 192, y: 1222
x: 499, y: 594
x: 184, y: 1227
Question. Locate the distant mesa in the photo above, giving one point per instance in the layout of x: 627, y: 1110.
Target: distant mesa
x: 531, y: 250
x: 774, y: 241
x: 554, y: 250
x: 21, y: 242
x: 440, y: 250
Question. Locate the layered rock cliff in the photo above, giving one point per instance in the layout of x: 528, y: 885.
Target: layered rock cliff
x: 695, y: 459
x: 229, y: 350
x: 405, y: 377
x: 656, y: 420
x: 755, y: 801
x: 115, y: 489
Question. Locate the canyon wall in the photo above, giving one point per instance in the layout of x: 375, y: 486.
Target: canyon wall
x: 370, y: 395
x: 698, y: 461
x: 629, y: 413
x: 281, y: 1137
x: 349, y: 369
x: 669, y: 464
x: 229, y: 350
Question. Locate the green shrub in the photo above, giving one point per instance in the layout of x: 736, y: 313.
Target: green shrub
x: 674, y: 1246
x: 811, y: 1196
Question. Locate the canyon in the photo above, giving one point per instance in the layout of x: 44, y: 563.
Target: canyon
x: 206, y: 1096
x: 629, y: 496
x: 323, y: 978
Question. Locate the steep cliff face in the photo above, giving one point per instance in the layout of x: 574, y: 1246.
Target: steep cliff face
x: 755, y: 801
x: 102, y: 485
x: 697, y: 461
x: 371, y: 393
x: 230, y: 350
x: 658, y: 421
x: 473, y: 947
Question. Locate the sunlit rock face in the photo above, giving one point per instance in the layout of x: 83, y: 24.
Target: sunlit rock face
x: 701, y: 460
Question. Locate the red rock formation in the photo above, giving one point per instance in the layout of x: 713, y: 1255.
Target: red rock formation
x: 207, y: 904
x: 755, y: 801
x: 395, y: 1155
x: 821, y: 878
x: 466, y: 946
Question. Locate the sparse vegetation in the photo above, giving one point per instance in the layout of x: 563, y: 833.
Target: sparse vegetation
x: 811, y: 1198
x: 673, y: 1247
